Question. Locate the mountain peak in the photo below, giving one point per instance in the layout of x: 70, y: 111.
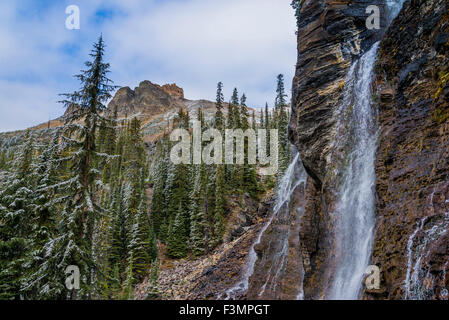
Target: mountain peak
x: 148, y: 98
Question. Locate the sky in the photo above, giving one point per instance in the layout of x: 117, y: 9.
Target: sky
x: 193, y: 43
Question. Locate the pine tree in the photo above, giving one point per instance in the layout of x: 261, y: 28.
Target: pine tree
x: 81, y: 210
x: 280, y: 90
x: 281, y: 122
x: 2, y: 159
x: 135, y: 201
x: 198, y: 220
x: 153, y: 291
x: 235, y: 97
x: 243, y: 101
x: 158, y: 173
x: 177, y: 242
x: 152, y: 246
x: 44, y: 174
x: 267, y: 128
x: 16, y: 216
x: 128, y: 286
x: 110, y: 146
x: 219, y: 117
x: 219, y: 210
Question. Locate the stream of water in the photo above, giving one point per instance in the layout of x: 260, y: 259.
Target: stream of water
x: 355, y: 208
x: 292, y: 178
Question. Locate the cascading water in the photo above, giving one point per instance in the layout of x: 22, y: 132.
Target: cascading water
x: 294, y: 176
x: 355, y: 207
x: 354, y: 214
x: 418, y: 279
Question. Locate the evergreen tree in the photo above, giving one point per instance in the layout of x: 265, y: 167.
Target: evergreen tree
x: 16, y: 216
x: 219, y: 117
x: 177, y: 242
x: 219, y: 210
x: 45, y: 205
x: 280, y: 90
x: 153, y: 281
x: 158, y: 173
x: 235, y: 97
x: 198, y: 220
x: 243, y: 101
x: 128, y: 286
x: 2, y: 159
x: 81, y: 210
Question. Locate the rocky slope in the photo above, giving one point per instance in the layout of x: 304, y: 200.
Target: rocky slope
x: 412, y: 166
x: 211, y: 276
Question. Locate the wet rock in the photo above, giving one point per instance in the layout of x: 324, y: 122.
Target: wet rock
x: 412, y: 165
x: 331, y: 35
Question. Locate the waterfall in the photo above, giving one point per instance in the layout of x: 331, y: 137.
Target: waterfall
x: 292, y: 178
x: 355, y: 207
x: 418, y: 280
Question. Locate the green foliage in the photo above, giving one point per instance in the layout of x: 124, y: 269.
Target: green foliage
x: 297, y: 5
x: 177, y: 238
x: 153, y: 291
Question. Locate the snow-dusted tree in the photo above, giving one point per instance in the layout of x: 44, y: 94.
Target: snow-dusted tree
x: 198, y: 220
x: 136, y: 207
x: 177, y: 243
x: 81, y: 210
x: 219, y: 206
x: 45, y: 206
x: 153, y: 291
x: 158, y: 174
x: 16, y: 221
x: 219, y: 117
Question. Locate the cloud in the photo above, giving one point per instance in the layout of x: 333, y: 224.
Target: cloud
x: 195, y: 43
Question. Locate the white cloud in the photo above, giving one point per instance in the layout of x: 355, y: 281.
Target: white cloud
x: 195, y: 43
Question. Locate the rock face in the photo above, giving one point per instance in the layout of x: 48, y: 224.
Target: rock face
x: 412, y: 167
x: 277, y: 272
x: 411, y: 91
x: 331, y: 35
x: 148, y: 98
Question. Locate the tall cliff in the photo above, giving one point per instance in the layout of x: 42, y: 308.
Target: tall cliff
x: 370, y: 119
x: 412, y: 166
x: 331, y: 36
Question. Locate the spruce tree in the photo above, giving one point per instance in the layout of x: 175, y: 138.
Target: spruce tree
x: 45, y: 205
x: 219, y: 209
x: 198, y: 220
x: 177, y: 242
x: 81, y: 210
x: 153, y: 291
x: 2, y: 159
x: 16, y: 222
x: 219, y: 117
x: 280, y: 90
x: 158, y: 174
